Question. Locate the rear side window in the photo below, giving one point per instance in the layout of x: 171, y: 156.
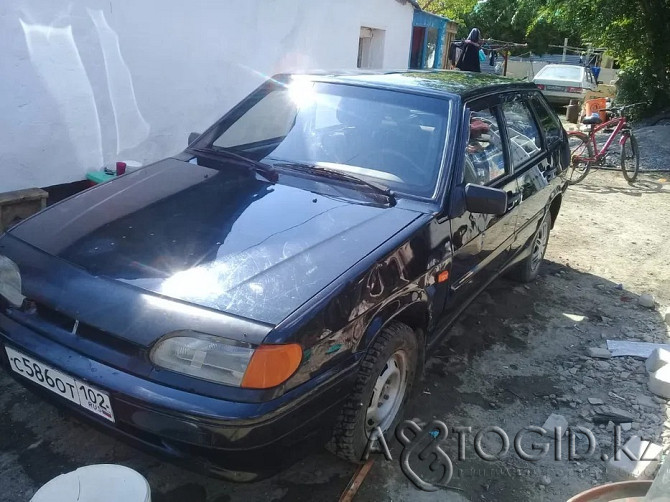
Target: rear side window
x: 548, y: 121
x: 523, y: 134
x: 561, y: 72
x: 484, y: 158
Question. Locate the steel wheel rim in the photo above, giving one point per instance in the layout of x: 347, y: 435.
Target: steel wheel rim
x: 539, y: 245
x: 388, y: 393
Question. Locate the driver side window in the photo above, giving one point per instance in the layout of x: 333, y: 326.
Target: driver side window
x: 484, y: 158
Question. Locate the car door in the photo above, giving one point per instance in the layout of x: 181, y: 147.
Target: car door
x: 534, y: 166
x: 481, y: 242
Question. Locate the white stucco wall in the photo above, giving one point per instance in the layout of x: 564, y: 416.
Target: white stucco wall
x: 88, y: 82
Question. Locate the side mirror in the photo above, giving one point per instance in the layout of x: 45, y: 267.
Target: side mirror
x: 192, y: 137
x: 485, y: 200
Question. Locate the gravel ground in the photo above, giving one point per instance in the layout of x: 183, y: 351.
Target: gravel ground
x: 517, y: 355
x: 654, y: 144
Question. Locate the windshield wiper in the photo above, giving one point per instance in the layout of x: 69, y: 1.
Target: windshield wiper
x: 265, y: 170
x: 337, y: 175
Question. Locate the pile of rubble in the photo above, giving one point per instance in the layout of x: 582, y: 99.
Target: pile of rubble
x: 629, y: 406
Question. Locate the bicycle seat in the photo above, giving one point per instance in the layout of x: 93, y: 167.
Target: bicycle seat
x: 593, y: 119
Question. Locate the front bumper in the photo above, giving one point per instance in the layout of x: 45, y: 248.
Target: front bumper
x: 235, y: 440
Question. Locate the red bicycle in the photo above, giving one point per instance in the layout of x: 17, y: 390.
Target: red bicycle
x: 586, y: 154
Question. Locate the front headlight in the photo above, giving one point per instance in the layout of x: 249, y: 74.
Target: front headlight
x: 203, y: 356
x: 226, y: 361
x: 10, y: 281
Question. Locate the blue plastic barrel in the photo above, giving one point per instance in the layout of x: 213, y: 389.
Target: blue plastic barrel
x: 596, y: 71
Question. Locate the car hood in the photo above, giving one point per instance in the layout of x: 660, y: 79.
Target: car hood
x: 219, y: 238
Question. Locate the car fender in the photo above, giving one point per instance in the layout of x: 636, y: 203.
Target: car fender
x: 411, y: 307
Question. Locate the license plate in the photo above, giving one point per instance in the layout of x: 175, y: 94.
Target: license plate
x: 74, y: 390
x: 555, y: 88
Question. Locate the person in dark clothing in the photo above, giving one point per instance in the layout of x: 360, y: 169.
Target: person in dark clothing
x: 469, y: 58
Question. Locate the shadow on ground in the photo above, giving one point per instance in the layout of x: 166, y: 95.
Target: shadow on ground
x: 636, y: 189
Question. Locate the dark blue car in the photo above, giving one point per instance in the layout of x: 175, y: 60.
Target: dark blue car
x: 279, y: 284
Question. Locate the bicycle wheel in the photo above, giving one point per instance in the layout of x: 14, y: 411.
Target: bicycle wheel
x: 580, y: 147
x: 630, y: 158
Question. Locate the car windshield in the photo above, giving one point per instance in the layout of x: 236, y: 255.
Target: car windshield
x: 561, y: 72
x: 392, y: 138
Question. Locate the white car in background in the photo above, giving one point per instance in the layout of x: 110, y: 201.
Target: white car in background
x: 562, y: 82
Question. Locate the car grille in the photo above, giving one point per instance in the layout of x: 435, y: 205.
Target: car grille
x: 84, y: 330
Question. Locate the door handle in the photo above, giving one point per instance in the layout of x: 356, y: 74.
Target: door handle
x: 513, y: 199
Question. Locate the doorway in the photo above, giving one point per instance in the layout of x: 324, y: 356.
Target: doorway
x: 416, y: 56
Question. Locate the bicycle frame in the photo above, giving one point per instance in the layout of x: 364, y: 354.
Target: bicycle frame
x: 621, y: 124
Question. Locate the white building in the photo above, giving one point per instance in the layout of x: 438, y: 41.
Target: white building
x: 88, y: 82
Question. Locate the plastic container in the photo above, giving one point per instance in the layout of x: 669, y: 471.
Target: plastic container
x: 625, y: 491
x: 596, y: 71
x: 132, y: 165
x: 96, y: 177
x: 597, y: 105
x: 96, y: 483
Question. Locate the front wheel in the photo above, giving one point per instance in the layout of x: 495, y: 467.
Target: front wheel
x: 580, y: 149
x: 528, y: 269
x: 630, y: 158
x: 383, y: 386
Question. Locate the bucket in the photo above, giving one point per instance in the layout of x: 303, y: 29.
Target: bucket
x: 626, y: 491
x: 96, y: 483
x: 596, y: 105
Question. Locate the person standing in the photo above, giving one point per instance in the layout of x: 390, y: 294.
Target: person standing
x: 469, y: 58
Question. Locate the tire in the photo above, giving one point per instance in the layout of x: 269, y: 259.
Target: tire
x: 353, y: 426
x: 630, y: 158
x: 529, y: 268
x: 577, y: 170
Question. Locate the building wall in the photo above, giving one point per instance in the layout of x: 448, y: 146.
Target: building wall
x: 88, y: 82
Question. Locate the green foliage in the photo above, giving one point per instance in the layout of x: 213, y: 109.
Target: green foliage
x: 451, y: 9
x: 633, y: 31
x: 510, y: 20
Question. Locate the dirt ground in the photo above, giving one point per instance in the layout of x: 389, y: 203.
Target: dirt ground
x: 518, y: 354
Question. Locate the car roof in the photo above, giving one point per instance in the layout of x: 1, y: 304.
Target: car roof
x: 435, y: 82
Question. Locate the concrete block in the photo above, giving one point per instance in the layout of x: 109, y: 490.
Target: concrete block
x: 599, y: 353
x: 658, y: 358
x: 555, y: 421
x: 646, y: 401
x: 647, y: 300
x: 17, y: 205
x: 659, y: 382
x: 646, y: 457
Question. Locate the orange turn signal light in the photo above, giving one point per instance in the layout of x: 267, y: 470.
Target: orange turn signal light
x: 443, y: 276
x: 271, y: 365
